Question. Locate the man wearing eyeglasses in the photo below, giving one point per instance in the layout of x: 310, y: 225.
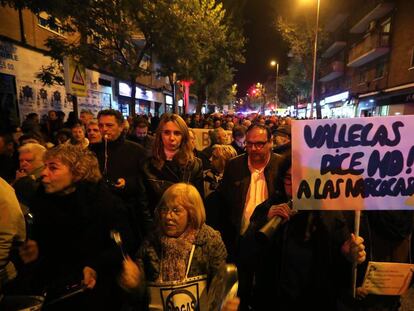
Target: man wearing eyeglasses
x: 248, y: 180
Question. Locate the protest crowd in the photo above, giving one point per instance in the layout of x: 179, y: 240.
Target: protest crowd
x: 122, y: 214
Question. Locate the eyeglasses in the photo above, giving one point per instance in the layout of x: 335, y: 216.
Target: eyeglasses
x: 177, y: 211
x: 258, y: 144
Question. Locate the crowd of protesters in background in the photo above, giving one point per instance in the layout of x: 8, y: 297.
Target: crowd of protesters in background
x: 180, y: 211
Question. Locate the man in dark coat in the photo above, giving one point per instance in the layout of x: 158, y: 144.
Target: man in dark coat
x: 120, y: 162
x: 248, y: 181
x: 141, y: 136
x: 239, y: 138
x: 236, y: 184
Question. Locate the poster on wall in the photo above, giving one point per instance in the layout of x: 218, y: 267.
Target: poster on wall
x: 35, y: 97
x: 95, y: 101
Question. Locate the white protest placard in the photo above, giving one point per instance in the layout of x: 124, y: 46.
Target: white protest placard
x: 353, y: 164
x: 387, y: 278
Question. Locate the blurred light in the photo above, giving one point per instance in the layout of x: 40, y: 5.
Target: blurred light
x: 337, y: 97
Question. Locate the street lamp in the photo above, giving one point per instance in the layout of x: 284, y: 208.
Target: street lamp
x: 315, y: 51
x: 274, y: 63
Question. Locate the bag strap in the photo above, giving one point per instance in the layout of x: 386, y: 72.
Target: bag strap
x: 189, y: 261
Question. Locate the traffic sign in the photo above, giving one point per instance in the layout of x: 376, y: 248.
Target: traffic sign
x: 75, y: 77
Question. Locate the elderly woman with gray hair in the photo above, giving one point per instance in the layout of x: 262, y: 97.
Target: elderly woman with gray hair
x: 71, y: 244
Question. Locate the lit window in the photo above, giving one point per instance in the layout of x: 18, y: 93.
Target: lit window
x: 386, y: 26
x: 49, y: 22
x: 385, y: 32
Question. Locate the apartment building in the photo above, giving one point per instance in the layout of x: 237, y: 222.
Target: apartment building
x: 367, y: 66
x: 22, y: 55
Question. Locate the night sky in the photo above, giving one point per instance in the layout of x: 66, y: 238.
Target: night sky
x: 264, y: 41
x: 264, y: 44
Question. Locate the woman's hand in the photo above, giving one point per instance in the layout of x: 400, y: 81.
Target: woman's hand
x: 29, y: 251
x: 89, y: 277
x: 231, y: 304
x: 281, y: 210
x: 131, y: 275
x: 354, y: 249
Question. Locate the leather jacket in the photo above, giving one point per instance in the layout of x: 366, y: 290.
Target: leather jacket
x: 157, y: 180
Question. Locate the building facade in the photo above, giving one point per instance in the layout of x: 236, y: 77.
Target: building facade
x: 367, y: 66
x: 23, y: 54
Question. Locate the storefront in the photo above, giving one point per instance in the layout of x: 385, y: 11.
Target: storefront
x: 366, y: 108
x: 168, y: 104
x: 396, y: 101
x: 340, y: 105
x: 146, y: 100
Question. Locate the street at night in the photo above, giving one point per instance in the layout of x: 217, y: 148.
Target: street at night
x: 225, y: 155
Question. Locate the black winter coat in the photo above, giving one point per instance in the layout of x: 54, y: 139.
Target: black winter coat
x: 301, y: 267
x: 233, y: 191
x: 73, y: 231
x: 157, y: 180
x: 125, y: 160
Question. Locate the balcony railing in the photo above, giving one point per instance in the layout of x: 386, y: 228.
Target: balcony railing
x: 371, y: 11
x: 371, y: 47
x: 332, y: 71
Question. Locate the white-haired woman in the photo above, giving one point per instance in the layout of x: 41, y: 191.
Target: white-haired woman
x: 182, y: 250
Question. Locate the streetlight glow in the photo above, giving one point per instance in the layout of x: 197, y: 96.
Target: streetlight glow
x: 274, y: 63
x: 315, y: 51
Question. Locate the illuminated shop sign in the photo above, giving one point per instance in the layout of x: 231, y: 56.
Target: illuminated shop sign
x: 168, y: 100
x: 335, y: 98
x: 125, y: 90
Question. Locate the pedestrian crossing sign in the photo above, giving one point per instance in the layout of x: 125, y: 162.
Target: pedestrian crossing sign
x: 75, y: 77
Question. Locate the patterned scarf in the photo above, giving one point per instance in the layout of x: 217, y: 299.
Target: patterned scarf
x: 175, y: 255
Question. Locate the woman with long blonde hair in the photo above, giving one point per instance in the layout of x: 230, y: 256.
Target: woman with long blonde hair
x: 173, y: 160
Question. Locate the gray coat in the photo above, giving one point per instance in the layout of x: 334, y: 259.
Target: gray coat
x: 210, y: 253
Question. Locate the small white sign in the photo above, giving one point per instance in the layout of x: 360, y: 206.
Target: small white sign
x: 388, y: 278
